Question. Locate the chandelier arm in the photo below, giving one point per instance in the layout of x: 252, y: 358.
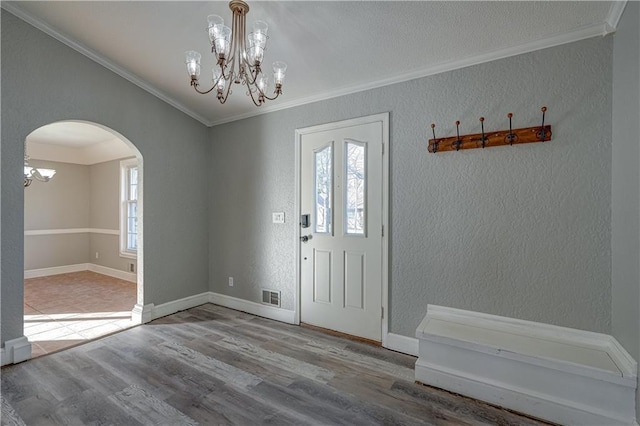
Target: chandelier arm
x: 223, y: 98
x: 260, y: 102
x: 195, y: 86
x: 225, y: 67
x: 278, y: 92
x: 253, y: 75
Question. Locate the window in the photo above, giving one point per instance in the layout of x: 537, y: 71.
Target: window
x: 355, y: 155
x: 323, y: 176
x: 128, y: 208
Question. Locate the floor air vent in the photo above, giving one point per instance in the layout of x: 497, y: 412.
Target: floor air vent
x: 271, y: 297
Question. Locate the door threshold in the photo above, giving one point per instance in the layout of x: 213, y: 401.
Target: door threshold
x: 341, y: 334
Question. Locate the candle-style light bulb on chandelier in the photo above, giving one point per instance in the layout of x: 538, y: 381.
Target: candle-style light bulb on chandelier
x: 239, y: 57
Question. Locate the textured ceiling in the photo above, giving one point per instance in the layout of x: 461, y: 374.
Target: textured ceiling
x: 331, y: 48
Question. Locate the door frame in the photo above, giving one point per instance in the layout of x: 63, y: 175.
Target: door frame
x: 299, y: 133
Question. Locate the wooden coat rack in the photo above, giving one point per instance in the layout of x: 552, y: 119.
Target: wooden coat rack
x: 487, y: 140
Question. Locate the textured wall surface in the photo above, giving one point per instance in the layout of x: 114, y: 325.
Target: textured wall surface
x: 518, y: 231
x: 175, y: 150
x: 625, y: 194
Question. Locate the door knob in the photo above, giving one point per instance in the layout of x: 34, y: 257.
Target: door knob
x: 305, y: 238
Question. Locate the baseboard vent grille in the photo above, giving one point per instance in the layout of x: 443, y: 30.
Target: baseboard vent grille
x: 271, y: 297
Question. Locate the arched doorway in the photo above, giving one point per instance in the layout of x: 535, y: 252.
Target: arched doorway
x: 83, y: 234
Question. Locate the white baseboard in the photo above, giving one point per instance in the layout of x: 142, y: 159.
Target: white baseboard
x: 116, y: 273
x: 15, y: 351
x: 404, y: 344
x: 564, y: 375
x: 266, y: 311
x: 164, y: 309
x: 539, y: 405
x: 143, y: 314
x: 67, y: 269
x: 55, y: 270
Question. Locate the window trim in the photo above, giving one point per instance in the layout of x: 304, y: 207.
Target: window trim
x: 125, y: 166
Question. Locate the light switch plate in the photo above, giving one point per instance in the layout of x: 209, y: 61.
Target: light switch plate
x: 278, y: 217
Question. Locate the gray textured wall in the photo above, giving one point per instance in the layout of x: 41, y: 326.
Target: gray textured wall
x: 175, y: 148
x: 625, y: 196
x: 518, y: 231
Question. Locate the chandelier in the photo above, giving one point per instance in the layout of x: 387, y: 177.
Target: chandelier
x: 30, y: 173
x: 239, y: 57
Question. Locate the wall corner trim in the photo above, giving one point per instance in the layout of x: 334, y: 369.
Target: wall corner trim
x: 615, y: 13
x: 142, y: 314
x: 15, y: 351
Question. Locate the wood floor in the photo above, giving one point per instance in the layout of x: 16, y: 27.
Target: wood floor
x: 64, y: 310
x: 214, y: 366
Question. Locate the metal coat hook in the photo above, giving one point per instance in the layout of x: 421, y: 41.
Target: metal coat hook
x: 434, y: 145
x: 541, y: 133
x: 484, y: 139
x: 510, y: 137
x: 458, y: 142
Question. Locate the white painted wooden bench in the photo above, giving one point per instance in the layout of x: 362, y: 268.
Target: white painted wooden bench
x: 554, y: 373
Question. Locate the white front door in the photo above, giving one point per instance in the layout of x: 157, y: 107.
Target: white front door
x: 341, y: 172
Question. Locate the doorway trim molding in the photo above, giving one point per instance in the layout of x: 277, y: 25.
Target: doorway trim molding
x: 384, y: 119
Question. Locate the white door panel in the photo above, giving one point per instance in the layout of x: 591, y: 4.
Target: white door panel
x: 341, y: 262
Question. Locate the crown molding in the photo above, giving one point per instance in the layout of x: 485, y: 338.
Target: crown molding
x: 607, y: 27
x: 556, y: 40
x: 615, y: 13
x: 96, y: 57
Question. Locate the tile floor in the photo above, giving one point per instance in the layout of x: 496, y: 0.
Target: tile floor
x: 65, y: 310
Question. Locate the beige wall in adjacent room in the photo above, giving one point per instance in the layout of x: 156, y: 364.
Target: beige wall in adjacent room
x: 48, y: 251
x: 61, y: 203
x: 105, y: 195
x: 78, y: 197
x: 105, y: 214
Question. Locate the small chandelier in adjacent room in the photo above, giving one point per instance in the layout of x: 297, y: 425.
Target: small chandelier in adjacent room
x: 239, y: 57
x: 30, y: 173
